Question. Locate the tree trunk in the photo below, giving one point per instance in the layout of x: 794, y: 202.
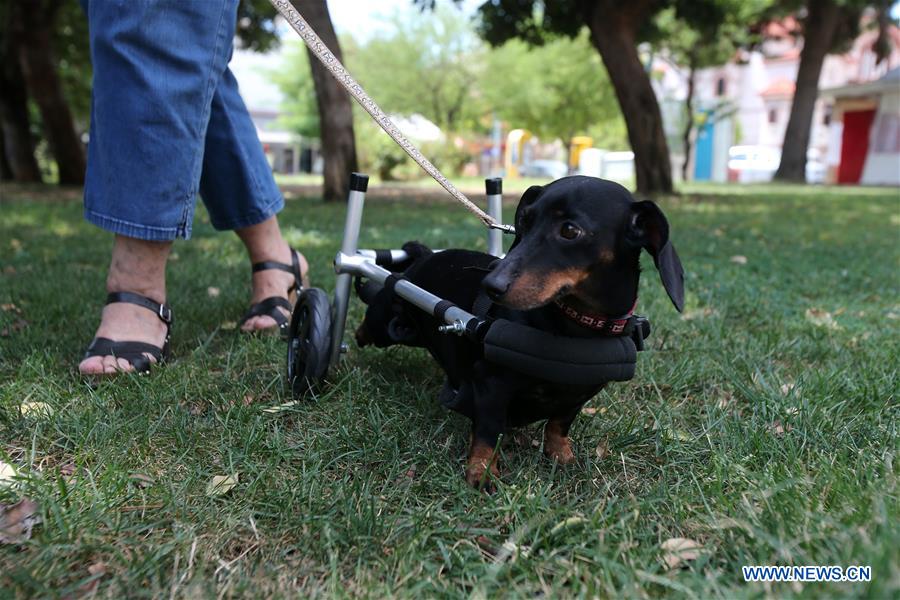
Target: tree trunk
x: 819, y: 29
x: 689, y: 124
x: 5, y: 170
x: 613, y: 28
x: 18, y: 146
x: 335, y: 110
x: 34, y: 29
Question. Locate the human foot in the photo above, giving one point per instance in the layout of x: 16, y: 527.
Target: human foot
x: 137, y: 267
x: 133, y: 334
x: 275, y: 281
x: 276, y: 269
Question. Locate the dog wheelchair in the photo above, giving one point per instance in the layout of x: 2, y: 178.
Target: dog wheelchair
x: 316, y: 331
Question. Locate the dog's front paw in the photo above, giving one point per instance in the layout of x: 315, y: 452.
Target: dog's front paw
x: 481, y: 467
x: 481, y: 475
x: 560, y: 450
x: 556, y: 445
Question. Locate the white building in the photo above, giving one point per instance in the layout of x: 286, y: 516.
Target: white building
x: 748, y: 100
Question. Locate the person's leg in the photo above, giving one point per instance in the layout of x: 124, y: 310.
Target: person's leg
x: 155, y: 67
x: 240, y: 193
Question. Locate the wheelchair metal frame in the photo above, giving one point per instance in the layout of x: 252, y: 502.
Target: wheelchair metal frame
x: 352, y: 261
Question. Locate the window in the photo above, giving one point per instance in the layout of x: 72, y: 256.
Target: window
x: 826, y: 118
x: 773, y: 115
x: 720, y: 86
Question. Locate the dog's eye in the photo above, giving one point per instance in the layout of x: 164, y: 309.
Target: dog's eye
x: 569, y: 231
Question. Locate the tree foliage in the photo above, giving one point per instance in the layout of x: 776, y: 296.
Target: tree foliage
x: 294, y: 79
x: 428, y: 66
x: 557, y: 90
x: 439, y: 68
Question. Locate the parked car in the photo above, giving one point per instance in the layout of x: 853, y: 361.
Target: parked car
x: 749, y: 164
x: 752, y: 164
x: 550, y: 169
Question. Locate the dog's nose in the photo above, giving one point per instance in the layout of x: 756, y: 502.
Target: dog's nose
x: 494, y: 287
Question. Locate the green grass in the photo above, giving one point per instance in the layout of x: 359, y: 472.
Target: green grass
x: 757, y: 425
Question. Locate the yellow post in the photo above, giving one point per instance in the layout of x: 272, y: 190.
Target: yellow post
x: 515, y: 150
x: 576, y: 146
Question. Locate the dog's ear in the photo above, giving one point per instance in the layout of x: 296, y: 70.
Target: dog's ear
x: 649, y: 229
x: 530, y: 195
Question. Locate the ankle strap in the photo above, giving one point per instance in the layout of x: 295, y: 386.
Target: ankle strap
x: 271, y: 264
x: 163, y: 311
x: 293, y: 268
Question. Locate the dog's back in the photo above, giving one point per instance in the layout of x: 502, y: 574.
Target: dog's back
x: 453, y: 275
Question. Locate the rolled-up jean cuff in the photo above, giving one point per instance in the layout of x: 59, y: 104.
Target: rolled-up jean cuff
x: 136, y: 230
x: 253, y: 217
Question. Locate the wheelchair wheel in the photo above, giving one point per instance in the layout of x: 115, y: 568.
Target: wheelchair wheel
x: 309, y: 342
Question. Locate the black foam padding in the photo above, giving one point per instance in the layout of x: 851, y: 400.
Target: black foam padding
x: 390, y: 282
x: 441, y: 308
x: 359, y: 182
x: 493, y: 186
x: 367, y: 290
x: 383, y: 258
x: 579, y: 361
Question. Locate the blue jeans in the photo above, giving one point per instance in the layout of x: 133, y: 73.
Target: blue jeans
x: 167, y: 122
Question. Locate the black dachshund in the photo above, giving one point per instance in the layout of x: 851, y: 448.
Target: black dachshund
x: 572, y: 270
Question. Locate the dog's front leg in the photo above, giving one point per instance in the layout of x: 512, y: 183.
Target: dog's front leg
x: 556, y: 438
x: 491, y: 396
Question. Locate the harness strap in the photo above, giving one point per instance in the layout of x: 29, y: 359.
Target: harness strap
x: 482, y: 305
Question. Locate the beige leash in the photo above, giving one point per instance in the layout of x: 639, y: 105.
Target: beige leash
x: 318, y: 47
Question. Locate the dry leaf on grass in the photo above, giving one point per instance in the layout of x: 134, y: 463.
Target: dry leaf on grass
x: 725, y: 400
x: 280, y: 408
x: 141, y: 479
x: 10, y: 307
x: 602, y: 450
x: 786, y: 388
x: 7, y: 474
x: 213, y: 292
x: 679, y: 550
x: 36, y: 409
x: 97, y: 571
x: 698, y: 313
x: 567, y: 523
x: 778, y: 429
x: 739, y: 259
x: 221, y: 484
x: 228, y: 325
x: 821, y: 318
x: 680, y: 434
x: 17, y: 520
x: 17, y: 325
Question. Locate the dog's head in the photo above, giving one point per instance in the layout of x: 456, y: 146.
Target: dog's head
x: 582, y: 236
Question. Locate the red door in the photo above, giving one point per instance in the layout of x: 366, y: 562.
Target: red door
x: 854, y: 144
